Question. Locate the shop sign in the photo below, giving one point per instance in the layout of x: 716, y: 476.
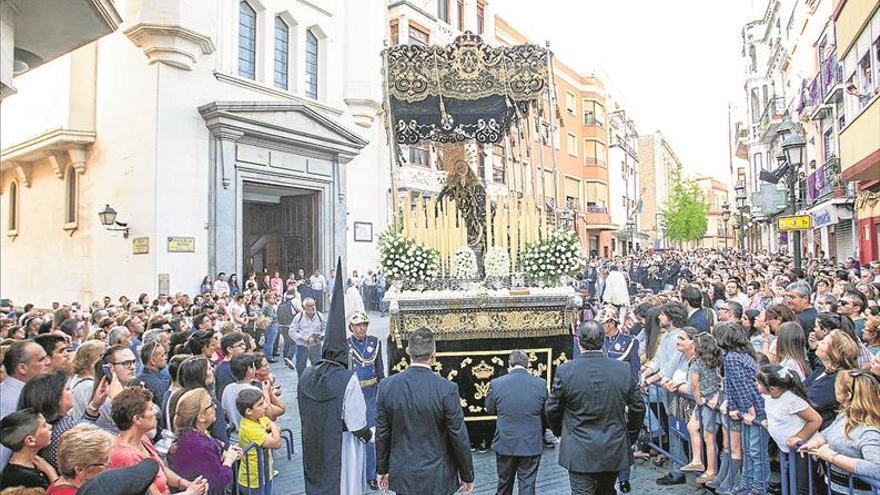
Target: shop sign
x: 823, y: 218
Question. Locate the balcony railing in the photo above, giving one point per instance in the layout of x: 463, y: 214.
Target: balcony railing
x: 572, y: 204
x: 772, y: 116
x: 592, y: 160
x: 810, y: 94
x: 591, y: 120
x: 596, y: 209
x: 774, y: 110
x: 822, y: 182
x: 830, y: 75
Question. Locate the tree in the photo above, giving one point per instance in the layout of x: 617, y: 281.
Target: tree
x: 685, y: 211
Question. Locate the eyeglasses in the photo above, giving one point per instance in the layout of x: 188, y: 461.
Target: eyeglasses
x: 126, y: 364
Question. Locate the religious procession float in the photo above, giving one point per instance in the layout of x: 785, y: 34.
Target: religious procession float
x: 485, y: 273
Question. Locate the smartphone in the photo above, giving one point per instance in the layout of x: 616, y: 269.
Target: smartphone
x: 108, y: 372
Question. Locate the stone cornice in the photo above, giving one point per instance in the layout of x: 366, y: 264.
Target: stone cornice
x: 170, y: 44
x: 108, y: 12
x: 234, y: 120
x: 33, y: 149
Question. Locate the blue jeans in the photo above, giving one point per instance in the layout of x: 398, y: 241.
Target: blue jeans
x: 269, y: 340
x: 303, y: 354
x: 266, y: 489
x: 756, y: 461
x: 652, y: 422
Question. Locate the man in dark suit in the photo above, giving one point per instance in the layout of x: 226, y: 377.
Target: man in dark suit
x: 517, y: 398
x: 596, y: 404
x: 422, y: 445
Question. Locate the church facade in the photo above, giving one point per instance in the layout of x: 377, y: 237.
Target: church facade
x: 228, y: 136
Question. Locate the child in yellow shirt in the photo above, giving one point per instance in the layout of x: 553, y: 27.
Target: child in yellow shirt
x: 255, y: 427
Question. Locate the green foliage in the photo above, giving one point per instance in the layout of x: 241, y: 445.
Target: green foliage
x: 685, y: 212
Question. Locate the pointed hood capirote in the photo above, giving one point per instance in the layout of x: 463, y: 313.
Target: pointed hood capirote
x: 335, y: 345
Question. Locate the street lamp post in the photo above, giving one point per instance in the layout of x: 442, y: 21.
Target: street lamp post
x: 740, y: 189
x: 794, y: 148
x: 725, y: 217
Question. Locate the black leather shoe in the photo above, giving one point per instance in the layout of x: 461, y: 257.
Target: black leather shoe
x: 624, y: 487
x: 373, y: 485
x: 671, y: 480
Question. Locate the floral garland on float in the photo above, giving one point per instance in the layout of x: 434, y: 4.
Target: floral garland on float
x: 407, y: 262
x: 558, y: 254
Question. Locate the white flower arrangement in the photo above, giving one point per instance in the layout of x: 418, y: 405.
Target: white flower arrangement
x: 406, y: 260
x: 557, y: 254
x: 497, y: 262
x: 464, y: 263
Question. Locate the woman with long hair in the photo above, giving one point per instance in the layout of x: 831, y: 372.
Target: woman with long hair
x: 198, y: 372
x: 193, y: 451
x: 234, y: 289
x: 50, y: 395
x: 207, y: 285
x: 849, y: 444
x: 87, y: 354
x: 791, y: 349
x: 836, y: 352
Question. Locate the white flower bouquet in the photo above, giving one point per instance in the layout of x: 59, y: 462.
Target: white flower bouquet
x: 558, y: 254
x: 463, y: 264
x: 497, y: 263
x: 406, y: 260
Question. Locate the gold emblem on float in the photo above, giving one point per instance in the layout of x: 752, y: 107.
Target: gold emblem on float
x: 483, y: 371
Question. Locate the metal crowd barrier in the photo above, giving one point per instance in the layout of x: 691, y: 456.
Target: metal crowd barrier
x: 790, y: 484
x: 263, y: 474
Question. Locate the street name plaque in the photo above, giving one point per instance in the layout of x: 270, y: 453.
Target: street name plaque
x: 181, y: 244
x: 794, y: 222
x: 140, y: 245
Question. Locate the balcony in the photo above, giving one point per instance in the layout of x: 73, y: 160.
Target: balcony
x: 625, y: 146
x: 590, y: 120
x: 592, y: 160
x: 831, y: 79
x: 809, y: 95
x: 40, y: 32
x: 771, y: 117
x: 823, y: 182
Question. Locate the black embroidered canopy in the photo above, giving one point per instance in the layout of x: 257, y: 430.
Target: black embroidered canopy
x: 465, y: 90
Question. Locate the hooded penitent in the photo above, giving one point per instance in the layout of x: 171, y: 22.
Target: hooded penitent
x: 321, y: 392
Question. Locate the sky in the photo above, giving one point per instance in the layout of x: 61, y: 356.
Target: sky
x: 674, y: 64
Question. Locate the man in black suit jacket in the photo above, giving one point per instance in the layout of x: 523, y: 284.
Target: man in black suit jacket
x: 595, y: 402
x: 422, y: 445
x: 517, y: 398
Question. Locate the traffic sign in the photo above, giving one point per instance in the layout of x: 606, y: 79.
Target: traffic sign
x: 794, y: 222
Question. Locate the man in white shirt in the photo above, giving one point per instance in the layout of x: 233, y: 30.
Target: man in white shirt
x: 735, y: 294
x: 221, y: 286
x: 317, y: 281
x: 24, y: 361
x: 307, y: 330
x: 164, y: 306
